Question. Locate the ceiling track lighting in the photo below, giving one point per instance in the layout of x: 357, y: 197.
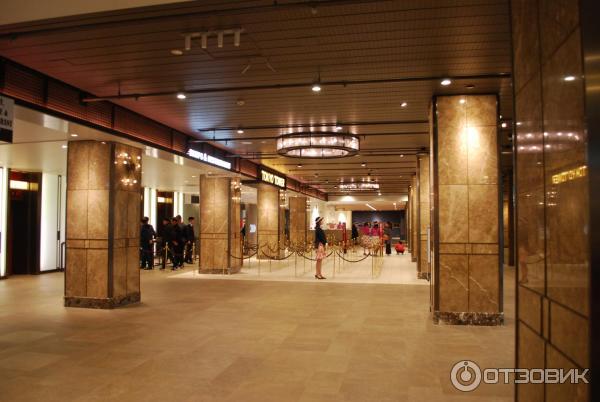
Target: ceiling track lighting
x: 218, y: 33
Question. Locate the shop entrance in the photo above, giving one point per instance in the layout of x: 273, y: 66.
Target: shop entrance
x: 24, y: 213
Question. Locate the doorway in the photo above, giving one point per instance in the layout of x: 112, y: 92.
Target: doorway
x: 23, y: 224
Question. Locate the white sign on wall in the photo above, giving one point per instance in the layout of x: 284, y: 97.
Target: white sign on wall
x: 7, y: 106
x: 204, y: 157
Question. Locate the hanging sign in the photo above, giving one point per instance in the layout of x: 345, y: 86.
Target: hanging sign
x: 272, y: 178
x: 7, y: 106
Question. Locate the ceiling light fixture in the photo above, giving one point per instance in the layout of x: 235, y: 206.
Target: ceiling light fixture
x: 402, y: 155
x: 176, y: 52
x: 462, y: 101
x: 299, y: 165
x: 338, y: 128
x: 316, y: 87
x: 240, y: 131
x: 74, y: 135
x: 446, y: 82
x: 363, y: 164
x: 569, y: 78
x: 403, y: 104
x: 369, y: 205
x: 181, y: 95
x: 325, y: 145
x: 503, y: 125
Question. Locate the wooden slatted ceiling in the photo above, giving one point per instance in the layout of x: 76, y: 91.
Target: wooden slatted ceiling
x: 347, y: 40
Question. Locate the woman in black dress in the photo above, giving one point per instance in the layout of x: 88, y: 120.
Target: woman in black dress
x: 320, y: 243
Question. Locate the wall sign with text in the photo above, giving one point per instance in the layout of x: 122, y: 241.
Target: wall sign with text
x: 272, y: 178
x: 204, y: 157
x: 7, y: 106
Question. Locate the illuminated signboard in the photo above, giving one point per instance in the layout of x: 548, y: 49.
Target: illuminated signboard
x: 569, y: 175
x: 271, y: 178
x: 204, y: 157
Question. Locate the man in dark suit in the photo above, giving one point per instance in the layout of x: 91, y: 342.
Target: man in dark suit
x: 147, y: 235
x: 190, y: 238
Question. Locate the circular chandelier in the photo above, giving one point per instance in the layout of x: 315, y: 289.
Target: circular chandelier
x: 324, y: 144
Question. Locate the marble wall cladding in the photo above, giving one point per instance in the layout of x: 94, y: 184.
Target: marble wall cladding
x: 235, y: 237
x: 268, y: 216
x: 298, y: 220
x: 414, y: 251
x: 424, y: 214
x: 552, y: 191
x: 102, y: 219
x: 532, y: 357
x: 216, y: 213
x: 468, y: 235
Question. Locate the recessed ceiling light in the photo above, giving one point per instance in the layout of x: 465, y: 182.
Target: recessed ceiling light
x: 176, y: 52
x: 519, y: 123
x: 503, y: 125
x: 247, y: 142
x: 446, y: 82
x: 462, y: 101
x: 103, y: 142
x: 240, y: 102
x: 74, y: 135
x: 193, y: 177
x: 316, y: 87
x: 240, y: 131
x: 402, y: 155
x: 569, y: 78
x: 299, y: 165
x: 181, y: 95
x: 338, y: 128
x: 470, y: 86
x: 64, y: 147
x: 363, y: 164
x: 403, y: 104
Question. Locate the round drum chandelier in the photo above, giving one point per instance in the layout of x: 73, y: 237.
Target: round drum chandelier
x: 324, y: 145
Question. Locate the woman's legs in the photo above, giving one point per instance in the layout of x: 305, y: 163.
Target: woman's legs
x: 318, y: 268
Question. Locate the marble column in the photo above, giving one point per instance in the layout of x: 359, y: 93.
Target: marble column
x: 467, y: 211
x: 298, y: 220
x: 219, y: 224
x: 268, y: 219
x: 422, y: 198
x: 555, y: 109
x: 102, y: 225
x: 414, y: 213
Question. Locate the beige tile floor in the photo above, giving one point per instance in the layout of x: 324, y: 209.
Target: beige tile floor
x: 224, y: 340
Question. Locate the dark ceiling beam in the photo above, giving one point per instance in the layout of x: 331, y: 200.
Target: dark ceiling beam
x: 124, y: 16
x: 323, y: 84
x: 236, y: 139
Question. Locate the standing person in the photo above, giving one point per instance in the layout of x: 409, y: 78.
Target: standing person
x: 166, y: 242
x: 387, y: 237
x: 176, y: 244
x: 147, y: 235
x: 354, y: 235
x: 320, y: 243
x: 190, y: 238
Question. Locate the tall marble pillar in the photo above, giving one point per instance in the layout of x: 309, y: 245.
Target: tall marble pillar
x: 298, y: 220
x: 268, y: 218
x: 556, y: 94
x: 423, y: 229
x: 467, y: 210
x: 102, y: 225
x: 219, y: 225
x: 414, y: 213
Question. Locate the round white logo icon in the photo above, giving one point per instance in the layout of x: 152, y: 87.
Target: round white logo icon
x: 465, y: 375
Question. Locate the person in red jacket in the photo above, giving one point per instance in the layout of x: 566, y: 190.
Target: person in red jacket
x: 399, y: 248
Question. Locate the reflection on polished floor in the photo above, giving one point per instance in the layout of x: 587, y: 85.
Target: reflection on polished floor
x: 356, y: 268
x: 223, y: 340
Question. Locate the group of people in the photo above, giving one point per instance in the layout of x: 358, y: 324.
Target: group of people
x: 174, y: 236
x: 370, y: 234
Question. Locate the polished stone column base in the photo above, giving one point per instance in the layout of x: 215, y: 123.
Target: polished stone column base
x: 102, y: 303
x: 468, y: 318
x: 424, y: 275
